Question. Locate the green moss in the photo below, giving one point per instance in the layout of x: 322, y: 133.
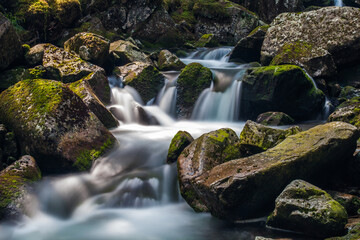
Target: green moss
x: 207, y: 40
x: 85, y: 158
x: 263, y: 28
x: 293, y: 52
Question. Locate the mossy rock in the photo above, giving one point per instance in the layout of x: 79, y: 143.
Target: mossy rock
x: 348, y: 111
x: 353, y: 234
x: 145, y: 78
x: 284, y: 88
x: 90, y: 47
x: 12, y: 76
x: 54, y: 125
x: 179, y: 142
x: 274, y: 119
x: 207, y: 40
x: 350, y: 202
x: 264, y: 137
x: 13, y: 186
x: 168, y: 61
x: 193, y: 79
x: 204, y: 153
x: 246, y: 188
x: 305, y: 208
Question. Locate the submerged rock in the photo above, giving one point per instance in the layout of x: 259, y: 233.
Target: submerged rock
x: 14, y: 182
x: 247, y: 187
x: 90, y: 47
x: 168, y: 61
x: 284, y: 88
x: 274, y: 119
x: 193, y: 79
x: 10, y: 45
x: 204, y: 153
x: 54, y: 125
x: 264, y: 137
x: 305, y: 208
x: 179, y: 142
x: 145, y: 78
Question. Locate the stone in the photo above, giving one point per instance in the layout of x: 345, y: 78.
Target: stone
x: 54, y: 125
x: 350, y: 202
x: 35, y: 55
x: 169, y: 62
x: 193, y: 79
x: 246, y: 188
x: 284, y: 88
x: 180, y: 141
x: 204, y: 153
x: 124, y: 52
x: 145, y: 78
x: 303, y: 207
x: 353, y: 234
x: 274, y: 119
x: 248, y: 48
x: 10, y: 45
x: 90, y: 47
x: 264, y: 137
x: 348, y: 111
x: 14, y: 185
x: 207, y: 40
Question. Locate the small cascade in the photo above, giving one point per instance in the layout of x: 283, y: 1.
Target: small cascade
x: 166, y: 98
x: 338, y: 3
x: 219, y: 54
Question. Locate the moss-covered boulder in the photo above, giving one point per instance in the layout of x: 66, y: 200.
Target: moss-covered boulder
x: 54, y: 125
x: 285, y: 88
x: 307, y: 35
x: 248, y: 48
x: 350, y: 202
x: 168, y: 61
x: 193, y: 79
x: 14, y: 181
x: 124, y: 52
x: 179, y: 142
x: 247, y: 187
x: 348, y: 111
x: 264, y: 137
x: 90, y: 47
x: 204, y: 153
x: 10, y: 45
x: 274, y: 119
x: 9, y: 150
x: 84, y: 90
x: 305, y: 208
x: 348, y: 93
x: 207, y: 40
x: 145, y: 78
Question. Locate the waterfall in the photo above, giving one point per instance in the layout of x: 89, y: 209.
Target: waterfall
x: 338, y: 3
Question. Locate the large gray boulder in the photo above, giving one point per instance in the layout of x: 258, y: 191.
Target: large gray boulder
x: 305, y: 208
x: 247, y: 187
x: 123, y: 52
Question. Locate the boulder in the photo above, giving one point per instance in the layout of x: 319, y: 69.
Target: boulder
x: 168, y: 61
x: 353, y: 234
x: 145, y: 78
x: 274, y: 119
x: 349, y: 92
x: 9, y: 150
x: 312, y: 30
x: 54, y: 125
x: 248, y: 48
x: 263, y: 137
x: 303, y: 207
x: 285, y: 88
x: 179, y: 142
x: 10, y: 45
x: 268, y: 10
x: 193, y: 79
x: 124, y: 52
x: 247, y: 187
x: 207, y: 40
x: 348, y: 111
x: 350, y: 202
x: 90, y: 47
x: 35, y: 55
x: 204, y: 153
x: 14, y: 185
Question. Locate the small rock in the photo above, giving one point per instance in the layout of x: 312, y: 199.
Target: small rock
x: 179, y: 142
x: 274, y: 119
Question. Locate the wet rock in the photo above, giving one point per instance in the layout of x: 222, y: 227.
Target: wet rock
x: 14, y: 185
x: 10, y: 45
x: 348, y: 111
x: 168, y: 61
x: 248, y: 48
x: 145, y: 78
x: 193, y: 79
x: 90, y: 47
x: 313, y: 30
x: 207, y: 40
x: 264, y: 137
x: 247, y: 187
x: 274, y: 119
x: 284, y: 88
x: 350, y: 202
x: 124, y: 52
x: 179, y: 142
x: 204, y: 153
x: 54, y: 125
x: 305, y: 208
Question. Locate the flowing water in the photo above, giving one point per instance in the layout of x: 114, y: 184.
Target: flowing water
x: 338, y: 3
x: 131, y: 193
